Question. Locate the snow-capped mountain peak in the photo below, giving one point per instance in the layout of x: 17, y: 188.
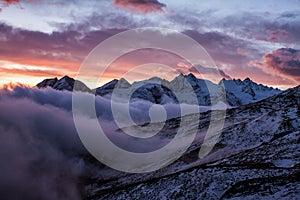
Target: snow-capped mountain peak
x: 65, y: 83
x: 240, y: 92
x: 157, y: 90
x: 47, y: 82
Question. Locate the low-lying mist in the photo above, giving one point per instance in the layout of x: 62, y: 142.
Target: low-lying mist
x: 41, y: 154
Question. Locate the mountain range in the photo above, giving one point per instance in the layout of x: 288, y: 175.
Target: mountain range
x: 238, y: 92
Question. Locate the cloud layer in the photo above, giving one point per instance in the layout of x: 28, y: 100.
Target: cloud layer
x: 41, y: 154
x: 38, y: 150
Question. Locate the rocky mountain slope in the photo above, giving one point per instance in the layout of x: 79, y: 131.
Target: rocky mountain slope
x: 257, y: 157
x: 161, y: 91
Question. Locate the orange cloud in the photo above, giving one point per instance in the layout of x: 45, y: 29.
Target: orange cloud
x: 141, y: 6
x: 30, y: 72
x: 8, y: 2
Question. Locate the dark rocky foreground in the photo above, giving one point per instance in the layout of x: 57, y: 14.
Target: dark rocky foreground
x: 256, y: 157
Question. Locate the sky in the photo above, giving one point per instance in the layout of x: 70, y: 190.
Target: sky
x: 245, y: 38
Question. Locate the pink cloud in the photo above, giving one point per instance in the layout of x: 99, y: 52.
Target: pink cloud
x: 141, y: 6
x: 8, y: 2
x: 283, y: 62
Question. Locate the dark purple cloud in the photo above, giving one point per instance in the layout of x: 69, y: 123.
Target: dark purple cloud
x: 292, y: 15
x: 284, y: 62
x: 142, y: 6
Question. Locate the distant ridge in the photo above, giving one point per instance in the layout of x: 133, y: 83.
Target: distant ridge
x: 157, y: 90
